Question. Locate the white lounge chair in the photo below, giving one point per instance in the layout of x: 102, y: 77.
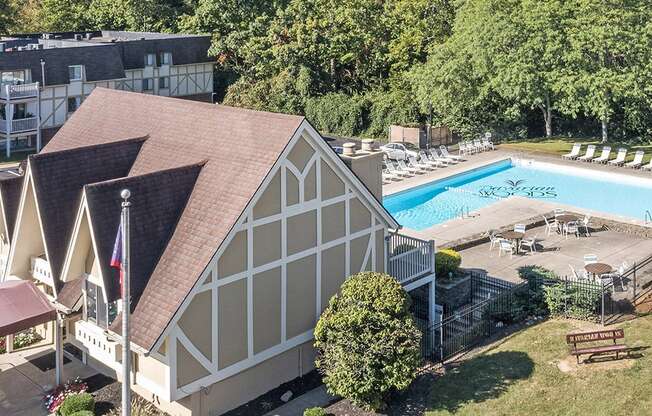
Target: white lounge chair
x: 395, y: 171
x: 462, y: 150
x: 620, y: 157
x: 420, y: 164
x: 648, y: 166
x: 488, y: 144
x: 638, y: 160
x: 402, y: 166
x: 604, y: 156
x: 551, y: 225
x: 478, y: 145
x: 590, y: 152
x: 425, y: 159
x: 413, y: 164
x: 389, y: 176
x: 585, y: 224
x: 450, y: 159
x: 574, y: 153
x: 444, y: 152
x: 435, y: 156
x: 494, y: 238
x: 571, y: 228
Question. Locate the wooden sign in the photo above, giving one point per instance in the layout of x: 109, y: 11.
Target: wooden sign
x: 595, y: 336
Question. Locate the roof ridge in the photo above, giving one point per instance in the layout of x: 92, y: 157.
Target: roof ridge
x: 46, y: 154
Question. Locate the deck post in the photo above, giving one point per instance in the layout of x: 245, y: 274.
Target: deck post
x: 58, y: 349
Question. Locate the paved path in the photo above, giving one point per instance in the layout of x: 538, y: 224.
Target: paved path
x: 318, y: 397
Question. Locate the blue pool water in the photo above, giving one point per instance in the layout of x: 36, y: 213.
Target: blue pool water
x: 436, y: 202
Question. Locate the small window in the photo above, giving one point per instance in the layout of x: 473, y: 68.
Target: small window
x: 75, y: 72
x: 166, y: 58
x: 148, y: 84
x: 73, y: 104
x: 163, y: 83
x: 150, y: 59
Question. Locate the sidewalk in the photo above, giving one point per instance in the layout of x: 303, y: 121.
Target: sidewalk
x: 318, y: 397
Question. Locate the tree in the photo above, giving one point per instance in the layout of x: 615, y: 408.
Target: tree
x: 610, y: 55
x: 367, y: 341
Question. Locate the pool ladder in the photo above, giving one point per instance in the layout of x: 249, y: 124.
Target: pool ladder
x: 648, y: 216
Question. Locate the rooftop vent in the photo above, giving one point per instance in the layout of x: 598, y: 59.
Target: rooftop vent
x: 89, y: 36
x: 47, y: 36
x: 349, y: 149
x: 78, y: 36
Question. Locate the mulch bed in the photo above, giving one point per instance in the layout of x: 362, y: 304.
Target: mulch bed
x: 107, y: 392
x: 272, y: 399
x: 45, y: 362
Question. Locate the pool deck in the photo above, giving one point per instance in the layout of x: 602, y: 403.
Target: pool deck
x: 504, y: 212
x: 557, y: 253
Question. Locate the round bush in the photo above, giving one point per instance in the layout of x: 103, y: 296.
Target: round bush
x: 314, y: 411
x: 76, y: 403
x: 368, y: 344
x: 83, y: 413
x: 447, y: 261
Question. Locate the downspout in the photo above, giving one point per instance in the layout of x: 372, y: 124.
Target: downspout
x: 42, y: 72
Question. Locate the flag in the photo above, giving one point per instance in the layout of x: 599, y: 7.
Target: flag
x: 116, y: 258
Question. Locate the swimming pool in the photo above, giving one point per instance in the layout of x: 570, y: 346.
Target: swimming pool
x: 439, y: 201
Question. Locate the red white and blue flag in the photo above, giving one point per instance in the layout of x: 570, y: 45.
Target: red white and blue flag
x: 116, y: 258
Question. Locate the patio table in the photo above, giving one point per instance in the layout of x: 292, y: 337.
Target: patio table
x: 598, y: 269
x: 514, y: 236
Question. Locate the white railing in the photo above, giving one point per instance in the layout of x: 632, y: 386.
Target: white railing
x: 409, y: 257
x: 19, y: 125
x: 14, y: 92
x: 41, y: 270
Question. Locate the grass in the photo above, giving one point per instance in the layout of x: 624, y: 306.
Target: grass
x: 559, y: 146
x: 15, y: 158
x: 520, y: 376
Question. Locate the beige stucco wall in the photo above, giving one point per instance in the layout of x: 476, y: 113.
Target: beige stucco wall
x: 333, y: 272
x: 82, y: 256
x: 300, y: 154
x: 301, y: 232
x: 234, y: 258
x: 267, y: 243
x: 197, y: 322
x: 301, y: 296
x: 333, y: 222
x: 310, y: 184
x: 152, y: 369
x: 270, y: 201
x: 360, y: 217
x: 267, y: 309
x: 368, y: 168
x: 28, y: 239
x: 191, y: 369
x: 380, y: 251
x: 331, y: 184
x: 232, y: 321
x: 291, y: 189
x: 358, y: 251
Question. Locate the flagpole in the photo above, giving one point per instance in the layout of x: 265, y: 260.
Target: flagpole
x: 126, y: 350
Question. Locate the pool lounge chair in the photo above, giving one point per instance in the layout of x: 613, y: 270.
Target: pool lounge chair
x: 444, y: 152
x: 574, y: 153
x: 638, y: 160
x: 588, y: 156
x: 424, y: 158
x: 436, y: 156
x: 648, y: 166
x: 414, y: 163
x: 604, y: 156
x: 405, y: 168
x: 388, y: 176
x: 478, y: 145
x: 620, y: 157
x: 488, y: 144
x: 395, y: 171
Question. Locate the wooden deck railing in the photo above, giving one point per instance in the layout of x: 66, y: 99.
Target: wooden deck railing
x: 409, y: 257
x: 14, y: 92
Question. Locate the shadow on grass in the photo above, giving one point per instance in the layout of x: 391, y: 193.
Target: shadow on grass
x: 479, y: 379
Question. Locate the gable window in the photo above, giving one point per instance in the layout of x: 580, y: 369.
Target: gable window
x: 163, y: 83
x: 150, y: 59
x: 148, y: 84
x: 75, y: 72
x: 97, y: 310
x: 73, y: 104
x: 165, y: 58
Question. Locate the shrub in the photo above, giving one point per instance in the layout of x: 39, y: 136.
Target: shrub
x: 314, y: 411
x: 54, y: 399
x: 368, y: 344
x: 76, y: 403
x: 572, y: 300
x: 83, y: 413
x: 447, y: 261
x: 338, y: 113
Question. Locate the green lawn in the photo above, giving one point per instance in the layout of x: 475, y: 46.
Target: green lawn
x: 520, y: 376
x: 560, y: 146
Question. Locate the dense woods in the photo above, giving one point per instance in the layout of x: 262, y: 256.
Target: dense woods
x: 520, y: 68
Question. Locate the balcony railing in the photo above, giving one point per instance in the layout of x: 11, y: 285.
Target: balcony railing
x: 41, y: 270
x: 410, y: 258
x: 19, y: 125
x: 20, y: 91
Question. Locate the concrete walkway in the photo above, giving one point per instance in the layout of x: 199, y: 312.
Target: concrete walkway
x: 318, y: 397
x: 23, y: 385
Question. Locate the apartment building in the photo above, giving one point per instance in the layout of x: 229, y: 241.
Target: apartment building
x: 238, y: 242
x: 45, y: 77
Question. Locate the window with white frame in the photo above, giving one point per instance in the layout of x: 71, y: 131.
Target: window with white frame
x: 13, y: 77
x: 96, y: 310
x: 150, y: 59
x: 75, y: 72
x: 165, y: 58
x: 73, y: 104
x: 163, y: 83
x: 148, y: 84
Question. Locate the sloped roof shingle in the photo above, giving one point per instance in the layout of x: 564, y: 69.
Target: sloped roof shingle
x: 10, y: 189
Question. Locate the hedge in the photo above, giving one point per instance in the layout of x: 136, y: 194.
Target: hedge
x: 77, y: 403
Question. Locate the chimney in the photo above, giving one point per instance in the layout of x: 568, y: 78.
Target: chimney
x: 366, y: 164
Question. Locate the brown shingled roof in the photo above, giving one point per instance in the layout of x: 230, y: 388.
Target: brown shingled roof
x: 58, y: 181
x: 240, y: 147
x: 70, y: 293
x: 10, y: 188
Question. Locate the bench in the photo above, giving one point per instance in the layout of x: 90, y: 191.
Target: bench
x: 597, y: 336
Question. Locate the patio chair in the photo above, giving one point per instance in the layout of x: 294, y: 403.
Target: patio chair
x: 435, y: 156
x: 478, y: 145
x: 494, y: 239
x: 530, y: 243
x: 551, y: 225
x: 405, y: 168
x: 604, y: 156
x: 444, y: 153
x: 638, y: 160
x: 462, y: 150
x: 488, y: 144
x: 389, y: 176
x: 505, y: 246
x: 425, y: 159
x: 648, y: 166
x: 590, y: 259
x: 588, y: 156
x: 585, y: 224
x: 413, y: 162
x: 620, y: 157
x: 519, y: 228
x: 395, y: 171
x: 574, y: 153
x: 571, y: 228
x: 558, y: 211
